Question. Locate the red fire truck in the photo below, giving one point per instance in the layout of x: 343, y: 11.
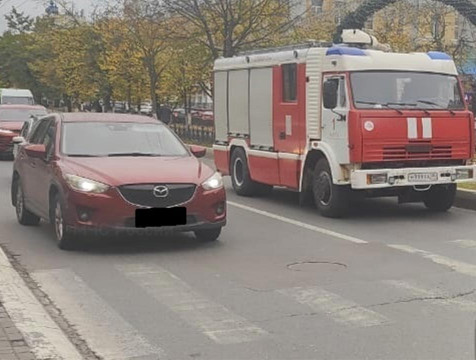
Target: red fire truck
x: 339, y: 121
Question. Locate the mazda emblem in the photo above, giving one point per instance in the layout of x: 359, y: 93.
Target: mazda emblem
x: 161, y: 191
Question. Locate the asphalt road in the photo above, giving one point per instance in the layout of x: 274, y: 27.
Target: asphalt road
x: 390, y: 282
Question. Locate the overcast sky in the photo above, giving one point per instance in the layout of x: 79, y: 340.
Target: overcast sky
x: 37, y: 7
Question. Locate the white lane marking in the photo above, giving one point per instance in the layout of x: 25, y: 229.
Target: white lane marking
x: 427, y: 128
x: 464, y: 243
x: 434, y: 296
x: 42, y: 334
x: 299, y: 223
x: 336, y: 307
x: 105, y: 331
x: 412, y: 128
x: 214, y: 320
x: 458, y: 266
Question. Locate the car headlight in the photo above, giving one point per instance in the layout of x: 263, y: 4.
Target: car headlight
x: 4, y: 131
x: 213, y: 182
x: 85, y: 185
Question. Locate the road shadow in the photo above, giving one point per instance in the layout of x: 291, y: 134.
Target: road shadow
x: 366, y: 208
x: 133, y: 241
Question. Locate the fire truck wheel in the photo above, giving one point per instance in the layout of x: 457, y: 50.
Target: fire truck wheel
x: 440, y: 197
x: 330, y: 199
x: 240, y: 175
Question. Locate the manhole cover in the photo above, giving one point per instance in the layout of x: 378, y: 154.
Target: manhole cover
x: 313, y: 266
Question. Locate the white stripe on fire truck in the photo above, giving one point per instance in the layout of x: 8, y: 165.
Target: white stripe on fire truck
x: 427, y: 128
x: 412, y: 128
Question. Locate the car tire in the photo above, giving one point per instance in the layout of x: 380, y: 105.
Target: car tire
x: 440, y: 198
x: 241, y: 179
x: 331, y: 200
x: 64, y: 234
x: 24, y: 216
x: 208, y: 235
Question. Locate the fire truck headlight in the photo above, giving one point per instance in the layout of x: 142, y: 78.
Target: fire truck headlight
x: 463, y: 174
x: 373, y: 179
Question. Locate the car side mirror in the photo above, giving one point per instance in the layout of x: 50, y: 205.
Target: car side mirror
x: 18, y: 140
x: 198, y: 151
x: 37, y: 151
x: 330, y: 94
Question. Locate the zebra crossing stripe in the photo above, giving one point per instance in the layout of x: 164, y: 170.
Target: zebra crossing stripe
x: 105, y: 331
x: 214, y: 320
x: 458, y: 266
x: 433, y: 296
x: 341, y: 310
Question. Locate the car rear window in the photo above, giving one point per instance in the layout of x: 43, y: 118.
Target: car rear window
x: 19, y: 114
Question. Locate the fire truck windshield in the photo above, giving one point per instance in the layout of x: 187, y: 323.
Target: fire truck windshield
x: 405, y: 90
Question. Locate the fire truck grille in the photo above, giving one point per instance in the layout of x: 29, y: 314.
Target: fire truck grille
x: 144, y: 194
x: 417, y: 152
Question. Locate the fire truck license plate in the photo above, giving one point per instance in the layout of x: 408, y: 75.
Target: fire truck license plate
x: 419, y: 177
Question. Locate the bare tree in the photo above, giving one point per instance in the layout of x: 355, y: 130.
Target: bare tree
x: 227, y: 26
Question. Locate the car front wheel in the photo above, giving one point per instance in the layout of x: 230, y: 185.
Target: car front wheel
x: 208, y: 235
x: 64, y: 234
x: 24, y: 216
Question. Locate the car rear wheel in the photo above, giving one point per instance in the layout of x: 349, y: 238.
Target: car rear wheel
x: 208, y: 235
x: 64, y: 234
x: 330, y: 199
x: 440, y: 197
x: 24, y: 216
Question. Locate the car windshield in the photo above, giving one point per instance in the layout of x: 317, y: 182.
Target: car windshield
x: 407, y: 90
x: 20, y: 100
x: 19, y: 114
x: 120, y: 139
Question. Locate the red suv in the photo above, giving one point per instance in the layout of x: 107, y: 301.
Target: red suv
x: 94, y: 171
x: 12, y: 118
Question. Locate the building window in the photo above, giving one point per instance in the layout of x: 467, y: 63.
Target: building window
x: 289, y: 82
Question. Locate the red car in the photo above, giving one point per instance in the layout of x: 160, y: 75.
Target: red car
x: 94, y: 171
x: 12, y: 118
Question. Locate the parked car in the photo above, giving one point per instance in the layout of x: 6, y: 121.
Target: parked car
x: 146, y: 108
x: 207, y: 116
x: 179, y: 115
x: 12, y: 118
x: 16, y: 97
x: 26, y: 130
x: 87, y: 171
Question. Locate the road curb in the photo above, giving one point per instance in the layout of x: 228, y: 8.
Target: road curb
x: 466, y: 199
x: 41, y: 333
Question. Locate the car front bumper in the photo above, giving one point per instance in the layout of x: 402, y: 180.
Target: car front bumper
x: 362, y: 179
x: 111, y: 211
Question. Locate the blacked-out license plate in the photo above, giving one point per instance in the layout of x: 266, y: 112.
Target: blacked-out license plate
x: 157, y: 217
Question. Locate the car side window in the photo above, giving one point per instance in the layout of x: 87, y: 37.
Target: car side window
x: 38, y: 136
x: 24, y: 129
x: 49, y: 138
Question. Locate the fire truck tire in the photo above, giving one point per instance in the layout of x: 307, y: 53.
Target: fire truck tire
x: 440, y: 197
x: 240, y: 175
x: 331, y: 200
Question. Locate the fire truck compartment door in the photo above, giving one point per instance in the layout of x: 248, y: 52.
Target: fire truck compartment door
x: 261, y: 107
x: 238, y: 100
x: 220, y: 94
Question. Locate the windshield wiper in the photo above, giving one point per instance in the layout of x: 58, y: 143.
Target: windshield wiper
x: 133, y: 154
x: 411, y: 104
x: 387, y: 105
x: 428, y: 102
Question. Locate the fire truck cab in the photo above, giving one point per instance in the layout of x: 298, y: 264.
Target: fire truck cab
x: 338, y: 121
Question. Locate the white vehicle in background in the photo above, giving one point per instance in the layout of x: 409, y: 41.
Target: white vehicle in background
x: 146, y: 108
x: 16, y: 97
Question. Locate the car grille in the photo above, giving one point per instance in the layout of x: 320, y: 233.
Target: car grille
x: 143, y: 194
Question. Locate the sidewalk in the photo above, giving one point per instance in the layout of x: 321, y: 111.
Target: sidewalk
x: 12, y: 343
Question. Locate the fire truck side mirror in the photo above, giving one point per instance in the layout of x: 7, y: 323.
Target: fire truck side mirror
x: 330, y: 93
